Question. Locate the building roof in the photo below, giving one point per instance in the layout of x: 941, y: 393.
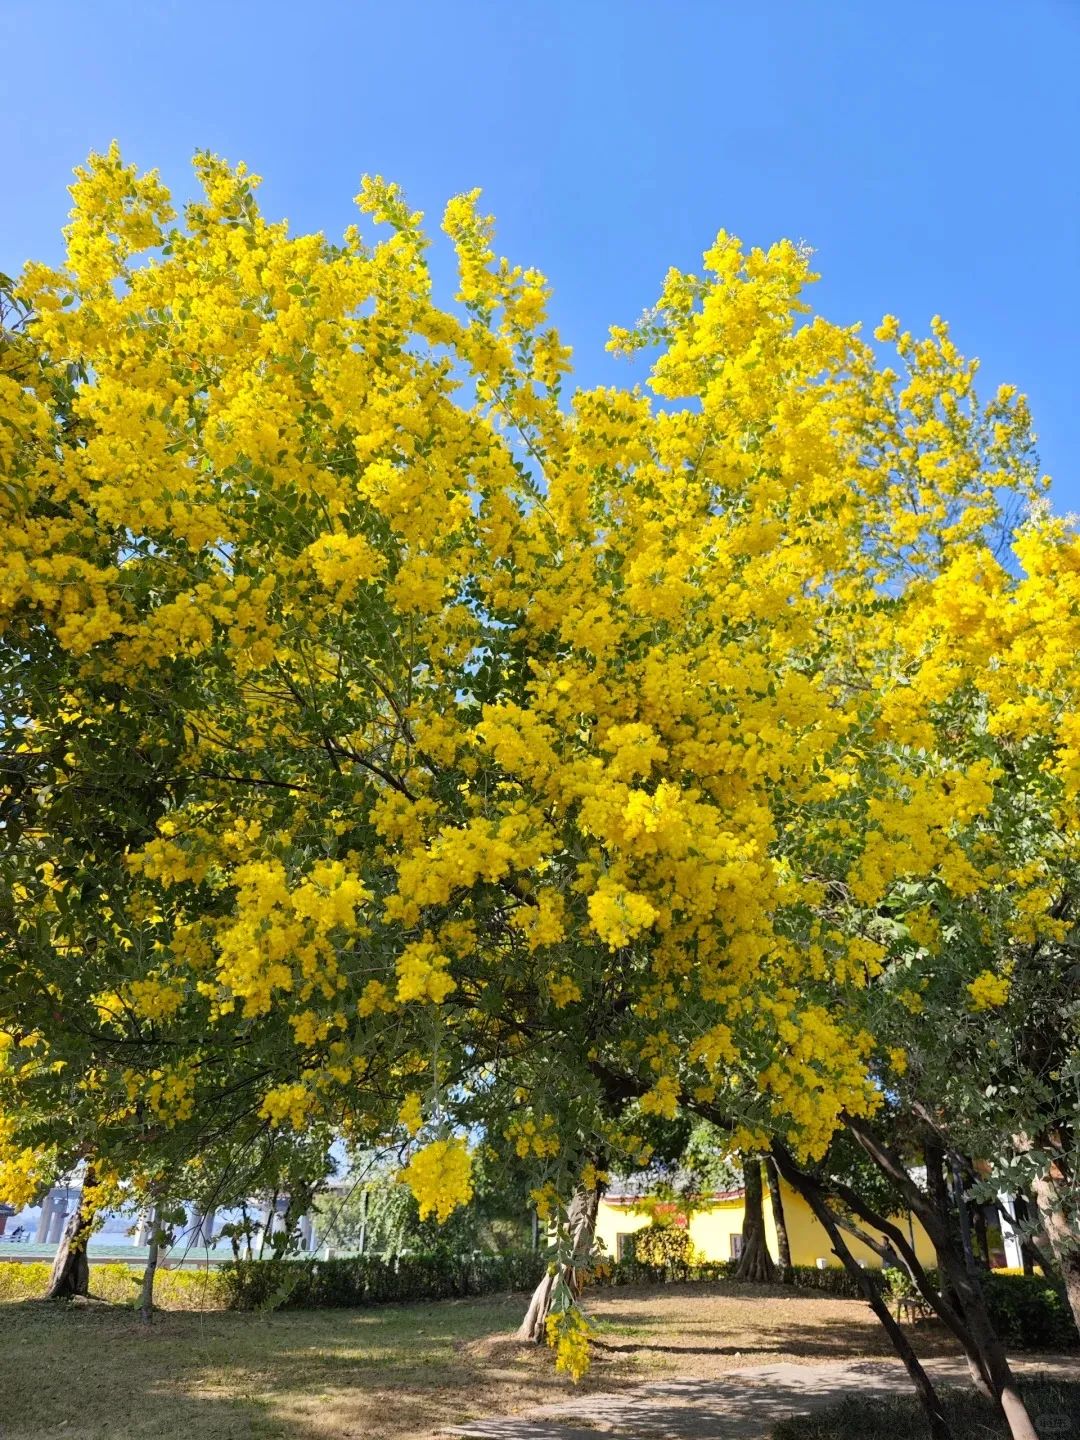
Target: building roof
x: 632, y: 1201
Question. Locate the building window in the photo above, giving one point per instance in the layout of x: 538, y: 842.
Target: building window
x: 736, y: 1245
x: 624, y: 1247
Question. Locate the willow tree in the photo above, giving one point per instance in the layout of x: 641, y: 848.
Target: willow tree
x: 511, y: 737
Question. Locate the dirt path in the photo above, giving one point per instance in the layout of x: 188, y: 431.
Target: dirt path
x: 745, y: 1404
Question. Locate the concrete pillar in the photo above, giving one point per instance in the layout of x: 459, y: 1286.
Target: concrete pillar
x: 41, y: 1236
x: 142, y: 1230
x: 201, y: 1227
x: 1014, y: 1255
x: 261, y: 1233
x: 307, y: 1233
x: 56, y: 1224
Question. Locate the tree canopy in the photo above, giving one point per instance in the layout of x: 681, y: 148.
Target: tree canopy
x: 400, y: 742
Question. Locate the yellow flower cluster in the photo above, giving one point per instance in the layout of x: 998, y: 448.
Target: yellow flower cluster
x: 155, y: 999
x: 533, y: 1137
x: 663, y: 1098
x: 546, y: 1200
x: 563, y: 990
x: 617, y: 914
x: 171, y: 1095
x: 592, y: 1176
x: 288, y: 1104
x: 542, y: 923
x: 421, y: 972
x: 343, y: 562
x: 440, y: 1177
x: 568, y: 1335
x: 21, y: 1166
x: 411, y: 1114
x: 988, y: 990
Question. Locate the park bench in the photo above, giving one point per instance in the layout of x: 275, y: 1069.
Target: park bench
x: 913, y: 1306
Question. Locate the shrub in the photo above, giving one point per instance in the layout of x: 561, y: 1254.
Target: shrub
x: 667, y: 1247
x: 833, y: 1280
x: 1054, y: 1406
x: 119, y: 1284
x: 632, y: 1270
x: 23, y: 1281
x: 359, y: 1280
x: 1031, y: 1311
x: 1027, y: 1311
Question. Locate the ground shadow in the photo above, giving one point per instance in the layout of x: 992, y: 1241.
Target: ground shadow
x: 827, y: 1338
x: 94, y: 1372
x: 89, y: 1372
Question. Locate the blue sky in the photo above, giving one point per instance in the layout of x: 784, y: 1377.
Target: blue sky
x: 928, y: 152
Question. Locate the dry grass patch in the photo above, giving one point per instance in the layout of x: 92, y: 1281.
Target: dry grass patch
x: 704, y: 1330
x: 395, y: 1372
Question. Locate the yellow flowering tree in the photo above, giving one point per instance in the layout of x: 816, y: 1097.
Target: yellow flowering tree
x: 974, y: 1011
x: 976, y: 1016
x: 526, y: 751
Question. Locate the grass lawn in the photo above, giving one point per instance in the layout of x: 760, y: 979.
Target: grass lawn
x: 90, y: 1371
x: 1054, y: 1407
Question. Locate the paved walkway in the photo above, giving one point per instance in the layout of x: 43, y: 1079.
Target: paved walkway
x: 743, y: 1405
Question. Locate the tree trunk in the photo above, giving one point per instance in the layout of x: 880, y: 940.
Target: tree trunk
x: 71, y: 1270
x: 962, y: 1211
x: 146, y: 1296
x: 969, y: 1295
x: 931, y: 1401
x: 783, y: 1247
x: 1023, y: 1226
x: 1062, y: 1236
x: 534, y: 1327
x: 957, y: 1268
x: 581, y: 1223
x: 904, y: 1248
x: 960, y: 1282
x: 755, y: 1263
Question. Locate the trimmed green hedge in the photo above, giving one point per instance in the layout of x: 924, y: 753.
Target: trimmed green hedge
x: 1031, y: 1311
x: 358, y: 1280
x: 632, y: 1271
x: 832, y: 1281
x: 23, y: 1280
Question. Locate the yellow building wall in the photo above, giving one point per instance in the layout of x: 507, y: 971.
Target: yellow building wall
x: 615, y: 1220
x: 711, y: 1231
